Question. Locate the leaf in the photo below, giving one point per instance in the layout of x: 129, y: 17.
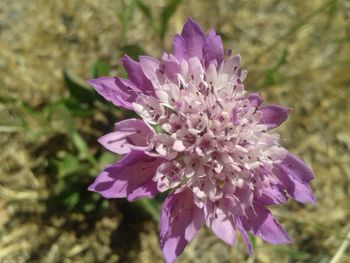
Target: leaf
x: 166, y: 14
x: 150, y: 206
x: 293, y: 253
x: 34, y: 122
x: 126, y: 15
x: 59, y: 112
x: 252, y: 240
x: 10, y: 129
x: 283, y: 59
x: 146, y: 11
x: 133, y: 50
x: 82, y: 147
x: 107, y: 158
x: 100, y: 69
x: 273, y: 75
x: 78, y: 109
x: 78, y: 89
x: 158, y: 128
x: 72, y: 201
x: 69, y: 164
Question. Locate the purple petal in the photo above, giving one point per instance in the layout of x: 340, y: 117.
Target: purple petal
x: 146, y: 189
x: 273, y: 115
x: 137, y: 76
x: 195, y: 225
x: 271, y: 195
x: 181, y: 220
x: 131, y: 134
x: 223, y: 227
x: 245, y: 236
x: 116, y: 142
x: 255, y: 99
x: 108, y: 186
x: 296, y: 177
x: 180, y: 50
x: 130, y: 177
x: 213, y: 49
x: 261, y: 223
x: 149, y: 66
x: 171, y: 67
x: 234, y: 116
x: 297, y: 168
x: 121, y: 92
x: 191, y: 42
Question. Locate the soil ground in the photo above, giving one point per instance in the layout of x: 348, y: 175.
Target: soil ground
x: 297, y: 54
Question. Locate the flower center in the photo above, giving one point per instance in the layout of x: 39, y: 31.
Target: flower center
x: 211, y: 132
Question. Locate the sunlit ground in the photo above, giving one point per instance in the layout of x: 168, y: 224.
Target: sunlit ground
x: 297, y: 54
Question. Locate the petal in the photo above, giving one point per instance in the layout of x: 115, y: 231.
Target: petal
x: 149, y: 66
x: 131, y: 177
x: 234, y: 116
x: 109, y: 187
x: 116, y: 142
x: 181, y: 220
x: 171, y: 67
x: 195, y: 68
x: 261, y: 223
x: 192, y: 42
x: 179, y: 44
x: 245, y: 236
x: 172, y: 248
x: 271, y: 195
x: 273, y: 115
x: 297, y: 168
x: 168, y: 176
x: 196, y: 223
x: 137, y: 76
x: 223, y: 227
x: 131, y: 134
x: 146, y: 189
x: 296, y: 176
x: 231, y: 65
x: 213, y: 48
x: 120, y: 92
x: 255, y: 99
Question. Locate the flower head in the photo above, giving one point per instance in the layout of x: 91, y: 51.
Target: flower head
x: 215, y: 150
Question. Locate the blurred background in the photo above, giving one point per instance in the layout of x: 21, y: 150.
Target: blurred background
x: 297, y: 54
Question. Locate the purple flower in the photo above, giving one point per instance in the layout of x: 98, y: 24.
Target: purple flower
x: 215, y: 151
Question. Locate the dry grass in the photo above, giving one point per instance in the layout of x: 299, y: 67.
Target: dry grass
x: 41, y: 38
